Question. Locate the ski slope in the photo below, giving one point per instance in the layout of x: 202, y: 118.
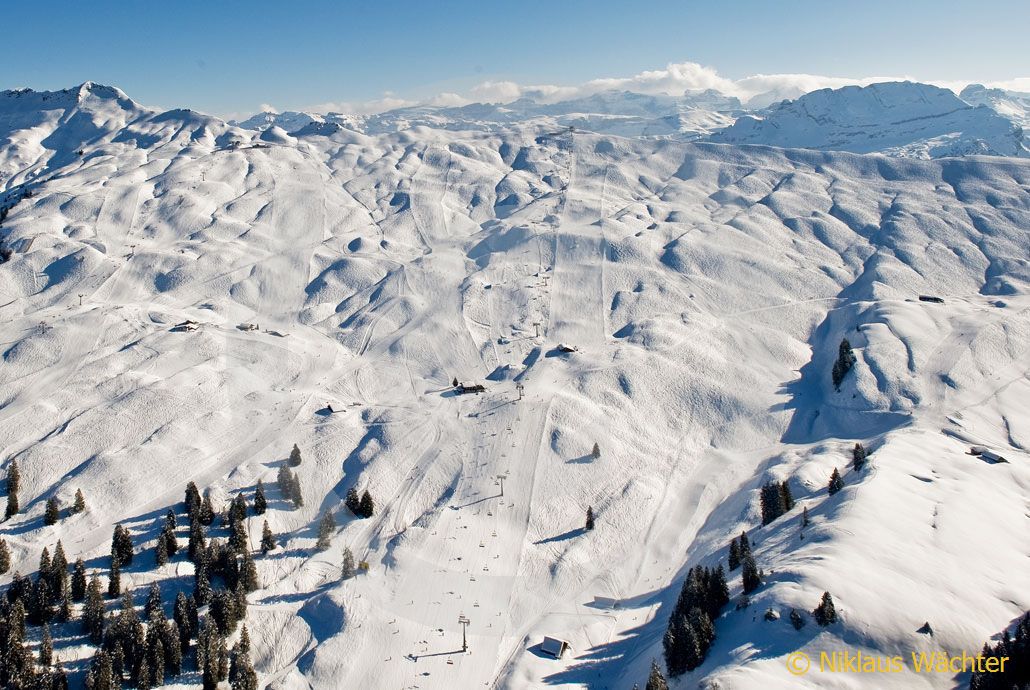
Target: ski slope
x: 706, y: 288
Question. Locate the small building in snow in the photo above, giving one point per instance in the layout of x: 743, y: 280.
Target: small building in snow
x: 463, y: 388
x: 991, y: 456
x: 552, y: 646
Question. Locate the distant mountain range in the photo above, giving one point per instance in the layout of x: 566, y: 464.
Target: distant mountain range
x: 902, y: 119
x: 897, y: 118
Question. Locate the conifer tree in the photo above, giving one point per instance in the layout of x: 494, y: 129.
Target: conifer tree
x: 825, y: 613
x: 656, y: 681
x: 260, y: 502
x: 141, y: 676
x: 79, y: 581
x: 40, y: 609
x: 353, y: 501
x: 734, y: 557
x: 206, y: 512
x: 46, y: 648
x: 284, y: 480
x: 197, y: 543
x: 719, y: 592
x: 184, y: 616
x: 168, y: 539
x: 836, y: 483
x: 367, y: 507
x: 326, y: 529
x: 244, y: 642
x: 295, y: 494
x: 804, y: 517
x: 237, y: 536
x: 745, y: 545
x: 121, y: 546
x: 13, y: 477
x: 114, y: 581
x: 153, y: 603
x: 172, y: 651
x: 5, y: 557
x: 248, y: 573
x: 202, y: 585
x: 703, y: 629
x: 156, y: 653
x: 59, y: 572
x: 161, y: 551
x: 79, y: 506
x: 267, y: 539
x: 244, y: 678
x: 44, y: 562
x: 222, y: 611
x: 295, y: 459
x: 192, y: 500
x: 93, y: 611
x: 59, y: 678
x: 858, y: 456
x: 53, y: 511
x: 20, y: 588
x: 240, y: 595
x: 238, y: 508
x: 771, y: 502
x: 787, y: 498
x: 16, y: 620
x: 12, y: 505
x: 750, y: 576
x: 595, y: 452
x: 347, y: 571
x: 64, y: 610
x: 101, y: 674
x: 845, y: 361
x: 590, y: 518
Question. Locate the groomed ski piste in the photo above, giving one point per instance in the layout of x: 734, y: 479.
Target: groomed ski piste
x: 704, y: 289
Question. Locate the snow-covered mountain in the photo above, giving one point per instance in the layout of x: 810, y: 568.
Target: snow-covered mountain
x: 903, y: 118
x: 339, y: 280
x: 1014, y: 105
x: 289, y: 121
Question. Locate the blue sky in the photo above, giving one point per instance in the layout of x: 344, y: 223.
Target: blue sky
x: 231, y: 57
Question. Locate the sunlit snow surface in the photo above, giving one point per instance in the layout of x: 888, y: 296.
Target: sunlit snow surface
x: 706, y: 288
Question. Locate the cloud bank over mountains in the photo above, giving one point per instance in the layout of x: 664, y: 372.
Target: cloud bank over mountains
x: 757, y: 90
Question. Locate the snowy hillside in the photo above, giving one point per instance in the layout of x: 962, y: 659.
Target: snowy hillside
x: 704, y: 289
x: 899, y: 118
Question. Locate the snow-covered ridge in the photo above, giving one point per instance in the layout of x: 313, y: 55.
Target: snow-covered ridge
x: 903, y: 118
x: 705, y: 289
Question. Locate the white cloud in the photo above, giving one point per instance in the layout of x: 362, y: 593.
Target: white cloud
x: 1019, y: 84
x: 496, y: 92
x: 448, y: 100
x: 387, y: 102
x: 674, y: 79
